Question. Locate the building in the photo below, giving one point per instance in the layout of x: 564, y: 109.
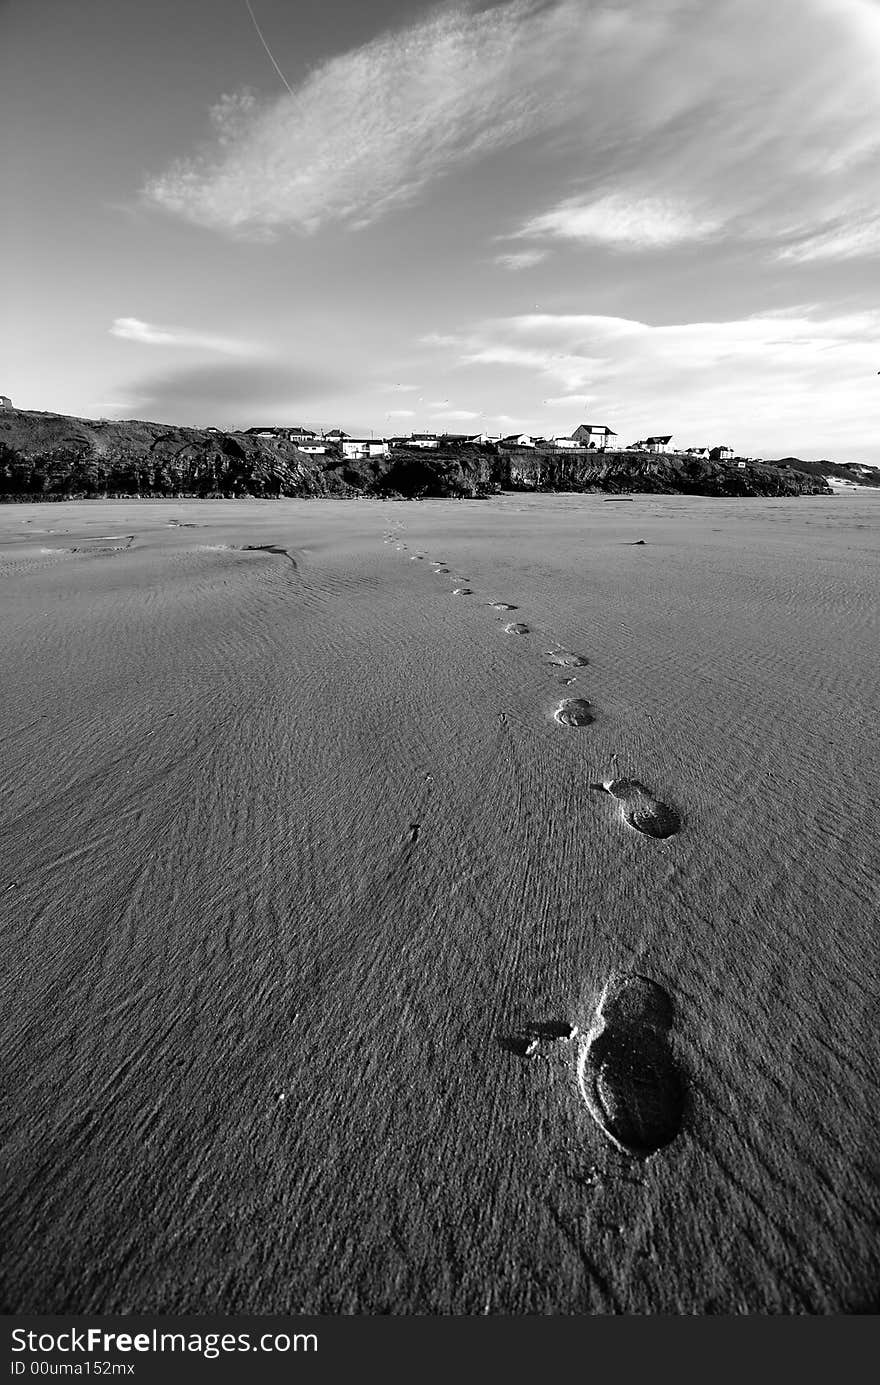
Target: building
x: 518, y: 440
x: 423, y: 440
x: 701, y: 452
x: 315, y: 446
x: 741, y: 466
x: 721, y: 453
x: 265, y: 432
x: 660, y: 443
x: 5, y: 401
x: 483, y: 439
x: 335, y: 435
x: 596, y: 435
x: 364, y: 447
x: 568, y: 443
x: 300, y: 434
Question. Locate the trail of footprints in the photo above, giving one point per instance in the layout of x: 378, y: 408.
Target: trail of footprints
x: 626, y: 1070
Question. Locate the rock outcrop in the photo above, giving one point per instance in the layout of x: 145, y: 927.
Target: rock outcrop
x: 54, y: 457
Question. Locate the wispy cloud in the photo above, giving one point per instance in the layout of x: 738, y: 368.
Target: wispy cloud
x: 792, y: 375
x: 400, y: 413
x: 456, y: 413
x: 633, y: 223
x: 520, y: 259
x: 148, y: 334
x: 368, y: 130
x: 567, y: 401
x: 669, y: 120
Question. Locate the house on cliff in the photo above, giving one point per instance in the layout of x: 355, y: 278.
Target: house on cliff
x: 424, y: 440
x: 722, y: 453
x: 5, y: 401
x: 660, y: 443
x: 364, y: 447
x: 518, y: 440
x: 596, y: 435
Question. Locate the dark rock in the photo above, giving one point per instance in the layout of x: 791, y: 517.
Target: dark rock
x: 47, y: 456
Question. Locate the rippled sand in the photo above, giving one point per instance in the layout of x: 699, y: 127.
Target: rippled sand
x: 315, y: 909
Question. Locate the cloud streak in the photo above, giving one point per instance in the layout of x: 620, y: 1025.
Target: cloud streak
x: 148, y: 334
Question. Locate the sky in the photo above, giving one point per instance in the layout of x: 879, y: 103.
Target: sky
x: 392, y: 216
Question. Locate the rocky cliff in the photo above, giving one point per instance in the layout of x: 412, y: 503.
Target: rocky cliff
x: 54, y: 457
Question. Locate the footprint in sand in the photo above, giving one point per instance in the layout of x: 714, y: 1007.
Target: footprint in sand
x: 574, y: 711
x: 641, y: 810
x: 516, y: 627
x: 626, y: 1070
x: 503, y: 606
x: 462, y: 591
x: 563, y: 658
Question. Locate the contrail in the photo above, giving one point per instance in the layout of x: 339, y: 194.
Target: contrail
x: 266, y: 46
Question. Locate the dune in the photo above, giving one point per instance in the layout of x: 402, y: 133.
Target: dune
x: 353, y: 969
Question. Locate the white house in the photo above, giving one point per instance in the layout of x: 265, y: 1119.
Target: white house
x: 483, y: 438
x: 721, y: 453
x: 701, y: 452
x: 565, y: 442
x: 424, y: 440
x: 315, y: 446
x: 519, y: 440
x: 596, y: 435
x: 364, y: 447
x: 660, y: 443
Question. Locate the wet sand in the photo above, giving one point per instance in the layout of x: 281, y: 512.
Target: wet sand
x: 441, y: 907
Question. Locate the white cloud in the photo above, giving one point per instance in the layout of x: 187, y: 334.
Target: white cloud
x: 457, y: 413
x: 368, y: 130
x: 520, y: 259
x: 148, y: 334
x: 400, y: 413
x: 633, y: 223
x: 792, y: 377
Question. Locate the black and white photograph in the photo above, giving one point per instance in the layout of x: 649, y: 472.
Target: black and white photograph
x: 439, y: 632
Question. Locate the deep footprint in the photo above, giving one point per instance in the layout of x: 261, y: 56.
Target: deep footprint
x: 574, y: 711
x: 565, y: 659
x: 641, y: 810
x: 626, y: 1071
x: 462, y: 591
x: 503, y: 606
x: 516, y: 628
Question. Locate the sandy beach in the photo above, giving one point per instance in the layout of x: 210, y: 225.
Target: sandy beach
x: 326, y: 946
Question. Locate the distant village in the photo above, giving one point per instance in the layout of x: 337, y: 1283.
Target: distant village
x: 597, y: 437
